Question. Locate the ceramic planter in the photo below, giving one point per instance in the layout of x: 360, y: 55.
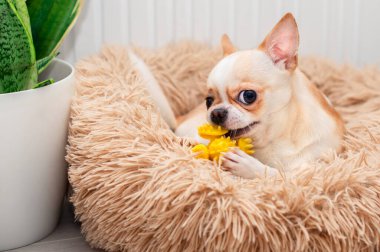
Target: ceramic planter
x: 33, y: 171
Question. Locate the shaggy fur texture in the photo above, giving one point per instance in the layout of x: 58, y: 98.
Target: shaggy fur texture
x: 137, y: 187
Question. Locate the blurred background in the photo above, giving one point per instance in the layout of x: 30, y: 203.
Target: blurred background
x: 346, y: 31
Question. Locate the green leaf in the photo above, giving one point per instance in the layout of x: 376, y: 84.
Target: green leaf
x: 43, y: 63
x: 18, y: 70
x: 51, y: 21
x: 22, y: 11
x: 44, y: 83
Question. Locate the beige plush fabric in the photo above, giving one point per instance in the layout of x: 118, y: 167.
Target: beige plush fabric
x: 137, y: 187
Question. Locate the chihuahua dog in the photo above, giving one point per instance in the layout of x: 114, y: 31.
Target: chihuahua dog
x: 262, y: 94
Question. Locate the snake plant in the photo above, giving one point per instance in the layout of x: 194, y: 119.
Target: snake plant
x: 30, y: 35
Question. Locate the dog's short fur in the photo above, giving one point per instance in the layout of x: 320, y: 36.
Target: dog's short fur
x: 262, y: 94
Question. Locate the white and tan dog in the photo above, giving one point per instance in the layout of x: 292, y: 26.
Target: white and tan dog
x: 262, y: 94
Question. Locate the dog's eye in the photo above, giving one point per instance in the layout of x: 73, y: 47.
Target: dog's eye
x: 247, y: 97
x: 209, y: 101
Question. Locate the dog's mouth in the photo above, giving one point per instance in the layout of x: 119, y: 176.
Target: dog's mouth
x: 235, y: 133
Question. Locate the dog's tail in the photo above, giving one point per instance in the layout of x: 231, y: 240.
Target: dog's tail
x: 154, y: 89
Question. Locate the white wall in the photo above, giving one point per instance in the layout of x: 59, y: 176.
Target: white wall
x: 344, y: 30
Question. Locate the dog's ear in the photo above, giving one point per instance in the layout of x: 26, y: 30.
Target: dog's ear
x: 227, y: 45
x: 281, y: 44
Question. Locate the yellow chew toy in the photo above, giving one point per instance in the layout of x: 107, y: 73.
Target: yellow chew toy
x: 219, y: 143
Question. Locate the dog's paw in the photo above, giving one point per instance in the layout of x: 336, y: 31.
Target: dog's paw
x: 240, y: 163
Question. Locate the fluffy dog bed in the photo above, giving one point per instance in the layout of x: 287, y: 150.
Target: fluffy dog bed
x: 137, y: 187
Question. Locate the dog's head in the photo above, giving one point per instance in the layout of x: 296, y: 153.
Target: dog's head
x: 246, y: 87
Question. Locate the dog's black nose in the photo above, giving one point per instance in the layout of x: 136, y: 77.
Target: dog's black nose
x: 219, y: 116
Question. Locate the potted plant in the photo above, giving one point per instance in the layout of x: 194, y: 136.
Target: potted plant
x: 35, y: 94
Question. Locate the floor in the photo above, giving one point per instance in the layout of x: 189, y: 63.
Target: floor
x: 66, y: 237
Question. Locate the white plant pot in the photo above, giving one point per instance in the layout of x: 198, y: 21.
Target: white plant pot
x: 33, y: 171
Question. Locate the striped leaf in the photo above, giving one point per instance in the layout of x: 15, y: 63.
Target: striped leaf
x: 44, y: 83
x: 44, y: 62
x: 51, y: 21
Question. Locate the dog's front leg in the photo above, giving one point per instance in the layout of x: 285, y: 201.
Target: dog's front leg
x: 241, y: 164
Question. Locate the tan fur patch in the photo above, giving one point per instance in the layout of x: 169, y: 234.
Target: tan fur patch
x: 227, y: 45
x: 213, y: 92
x: 329, y: 109
x: 242, y: 68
